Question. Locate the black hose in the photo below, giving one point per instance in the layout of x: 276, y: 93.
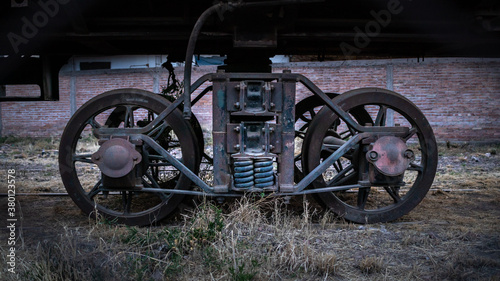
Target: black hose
x: 222, y: 7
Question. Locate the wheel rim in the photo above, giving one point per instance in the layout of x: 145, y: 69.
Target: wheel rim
x: 82, y: 178
x: 375, y: 204
x: 305, y: 111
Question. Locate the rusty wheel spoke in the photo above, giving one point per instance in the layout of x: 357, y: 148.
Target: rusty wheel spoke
x: 304, y: 118
x: 95, y: 190
x: 393, y: 191
x: 380, y: 119
x: 93, y: 123
x: 158, y: 131
x: 129, y: 116
x: 416, y: 167
x: 299, y: 134
x: 127, y: 201
x: 154, y: 184
x: 412, y: 132
x: 363, y: 197
x: 84, y: 158
x: 338, y: 166
x: 342, y: 176
x: 304, y: 127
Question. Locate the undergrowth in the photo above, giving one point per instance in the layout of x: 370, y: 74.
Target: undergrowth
x: 208, y: 243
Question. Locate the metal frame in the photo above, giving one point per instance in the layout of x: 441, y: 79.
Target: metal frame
x: 220, y: 181
x: 297, y: 189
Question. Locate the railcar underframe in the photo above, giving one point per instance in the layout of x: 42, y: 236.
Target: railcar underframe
x: 341, y: 148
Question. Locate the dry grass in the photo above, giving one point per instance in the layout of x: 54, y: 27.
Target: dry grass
x: 263, y: 240
x: 451, y: 235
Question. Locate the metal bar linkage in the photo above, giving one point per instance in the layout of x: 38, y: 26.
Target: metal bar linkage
x: 328, y: 162
x: 176, y: 163
x: 341, y: 113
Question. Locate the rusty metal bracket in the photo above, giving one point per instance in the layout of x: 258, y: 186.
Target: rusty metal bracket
x: 176, y: 163
x: 307, y: 180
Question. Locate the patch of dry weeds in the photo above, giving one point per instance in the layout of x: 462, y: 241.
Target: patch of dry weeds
x: 451, y: 235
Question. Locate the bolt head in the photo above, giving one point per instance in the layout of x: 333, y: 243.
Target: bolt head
x: 373, y: 155
x: 409, y: 154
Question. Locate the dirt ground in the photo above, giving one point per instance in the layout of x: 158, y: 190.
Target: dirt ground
x: 452, y: 235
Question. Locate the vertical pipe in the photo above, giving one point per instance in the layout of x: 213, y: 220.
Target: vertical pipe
x: 3, y: 93
x: 189, y: 54
x: 72, y: 89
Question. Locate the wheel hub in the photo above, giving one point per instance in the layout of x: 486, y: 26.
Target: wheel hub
x: 390, y: 156
x: 116, y: 158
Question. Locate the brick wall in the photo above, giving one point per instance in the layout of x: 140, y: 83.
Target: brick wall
x: 460, y: 97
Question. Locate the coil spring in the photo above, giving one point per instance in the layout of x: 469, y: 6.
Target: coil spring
x: 243, y: 173
x: 263, y: 173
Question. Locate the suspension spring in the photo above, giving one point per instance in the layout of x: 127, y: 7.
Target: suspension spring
x: 263, y: 173
x: 243, y: 173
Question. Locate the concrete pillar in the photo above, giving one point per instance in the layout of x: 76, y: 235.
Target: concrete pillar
x: 72, y: 94
x: 390, y: 86
x: 156, y: 81
x: 156, y: 75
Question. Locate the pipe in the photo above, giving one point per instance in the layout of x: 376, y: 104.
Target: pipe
x: 220, y: 8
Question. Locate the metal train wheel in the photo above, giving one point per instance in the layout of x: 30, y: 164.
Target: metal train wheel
x: 305, y: 111
x: 376, y: 203
x: 82, y: 178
